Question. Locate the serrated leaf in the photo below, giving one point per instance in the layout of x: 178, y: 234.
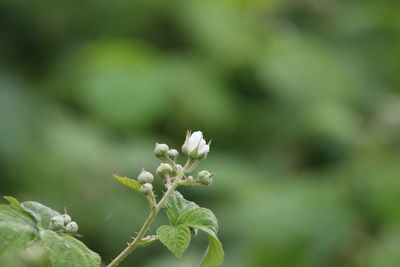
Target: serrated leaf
x: 175, y: 238
x: 17, y: 230
x: 176, y: 205
x: 214, y: 255
x: 40, y: 212
x: 14, y: 203
x: 67, y: 251
x: 199, y: 217
x: 131, y: 183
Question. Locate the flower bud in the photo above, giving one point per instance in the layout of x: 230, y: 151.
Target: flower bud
x: 71, y: 227
x: 205, y: 177
x: 145, y: 177
x: 161, y: 150
x: 57, y: 222
x: 173, y: 154
x: 164, y: 170
x: 66, y: 218
x: 146, y: 188
x: 195, y: 146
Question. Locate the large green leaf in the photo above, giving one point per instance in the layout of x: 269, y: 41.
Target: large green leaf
x: 40, y: 212
x: 131, y: 183
x: 17, y: 230
x: 214, y: 255
x: 175, y: 238
x: 176, y: 205
x: 199, y: 217
x: 67, y: 251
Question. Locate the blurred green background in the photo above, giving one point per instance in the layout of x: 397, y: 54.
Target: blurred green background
x: 300, y: 98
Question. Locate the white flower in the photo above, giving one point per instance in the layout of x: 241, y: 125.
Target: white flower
x: 195, y: 146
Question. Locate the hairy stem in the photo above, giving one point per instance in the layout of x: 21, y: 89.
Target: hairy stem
x: 153, y: 212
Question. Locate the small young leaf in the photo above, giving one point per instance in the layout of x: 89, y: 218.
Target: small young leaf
x: 67, y: 251
x: 199, y: 217
x: 14, y: 203
x: 131, y: 183
x: 17, y: 230
x: 214, y: 255
x: 176, y: 205
x: 40, y: 212
x: 175, y: 238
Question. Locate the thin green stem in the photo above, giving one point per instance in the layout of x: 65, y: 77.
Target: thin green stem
x: 153, y: 212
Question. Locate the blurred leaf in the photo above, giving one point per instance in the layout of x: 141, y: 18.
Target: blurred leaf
x: 176, y: 205
x: 17, y: 230
x: 131, y: 183
x: 40, y: 212
x: 175, y: 238
x: 121, y: 83
x: 14, y: 203
x: 67, y: 251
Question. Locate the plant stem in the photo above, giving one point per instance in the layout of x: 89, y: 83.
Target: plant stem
x: 153, y: 212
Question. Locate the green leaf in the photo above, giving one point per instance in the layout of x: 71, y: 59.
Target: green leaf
x: 199, y: 217
x: 17, y: 230
x: 175, y: 238
x: 14, y: 203
x: 67, y: 251
x: 176, y: 205
x: 40, y: 212
x: 131, y: 183
x: 214, y: 255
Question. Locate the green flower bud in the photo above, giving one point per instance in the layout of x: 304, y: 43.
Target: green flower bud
x: 164, y: 170
x: 145, y: 177
x: 205, y: 177
x: 161, y: 150
x: 67, y: 219
x: 195, y: 146
x: 146, y: 188
x: 57, y: 222
x: 71, y: 227
x: 173, y: 154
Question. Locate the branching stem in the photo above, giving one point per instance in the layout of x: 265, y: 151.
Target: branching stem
x: 153, y: 213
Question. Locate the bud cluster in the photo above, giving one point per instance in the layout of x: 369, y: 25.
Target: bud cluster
x: 195, y: 147
x: 63, y: 223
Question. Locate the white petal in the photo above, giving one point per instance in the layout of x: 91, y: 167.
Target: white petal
x: 194, y: 140
x: 204, y: 149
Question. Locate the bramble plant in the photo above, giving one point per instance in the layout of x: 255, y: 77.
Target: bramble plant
x: 22, y: 224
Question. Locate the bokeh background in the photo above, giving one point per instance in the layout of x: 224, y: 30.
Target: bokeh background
x: 300, y: 98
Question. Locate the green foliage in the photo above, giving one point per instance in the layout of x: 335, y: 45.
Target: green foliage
x: 131, y: 183
x: 40, y: 213
x: 176, y: 205
x: 17, y: 230
x: 184, y: 213
x: 67, y: 251
x: 21, y: 225
x: 175, y: 238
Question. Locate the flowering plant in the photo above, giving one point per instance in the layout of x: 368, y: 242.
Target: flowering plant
x: 22, y: 224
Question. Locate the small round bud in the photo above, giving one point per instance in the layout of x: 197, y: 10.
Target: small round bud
x: 205, y: 177
x: 173, y: 154
x: 161, y: 150
x: 146, y: 188
x: 164, y: 170
x: 57, y: 222
x: 71, y: 227
x: 67, y: 219
x: 145, y: 177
